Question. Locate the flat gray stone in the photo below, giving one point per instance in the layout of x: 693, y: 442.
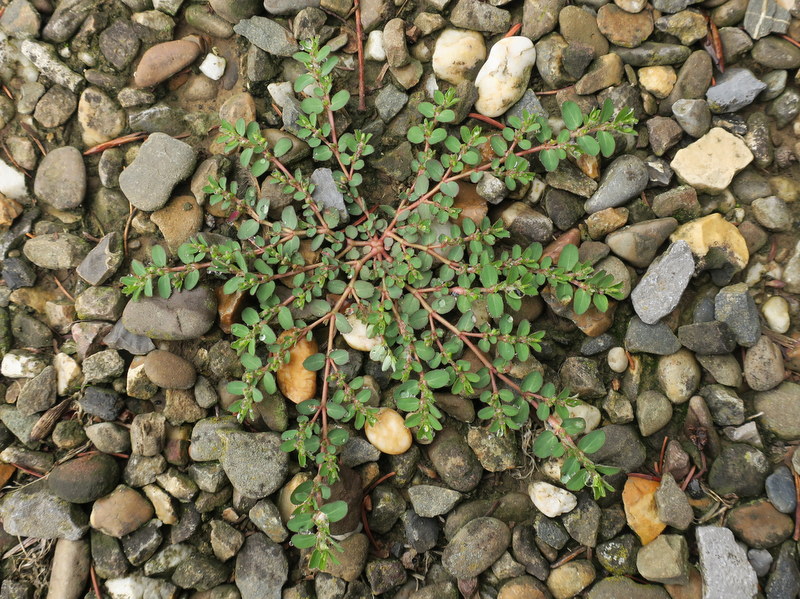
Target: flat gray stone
x: 185, y: 315
x: 735, y: 88
x: 727, y: 573
x: 254, y: 462
x: 268, y: 35
x: 430, y: 501
x: 35, y: 511
x: 162, y: 163
x: 764, y: 17
x: 261, y: 568
x: 327, y: 195
x: 662, y: 286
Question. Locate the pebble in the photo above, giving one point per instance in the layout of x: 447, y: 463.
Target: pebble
x: 760, y: 525
x: 673, y: 506
x: 569, y: 580
x: 773, y: 213
x: 454, y: 461
x: 100, y: 118
x: 43, y: 56
x: 35, y: 511
x: 254, y: 462
x: 624, y: 179
x: 552, y: 501
x: 639, y: 243
x: 102, y: 261
x: 662, y: 286
x: 781, y: 490
x: 693, y: 115
x: 623, y: 28
x: 475, y: 547
x: 763, y: 365
x: 504, y: 76
x: 430, y: 501
x: 776, y: 313
x: 717, y: 147
x: 55, y: 107
x: 267, y: 35
x: 169, y: 371
x: 739, y: 469
x: 665, y: 560
x: 776, y: 53
x: 479, y: 16
x: 56, y: 251
x: 185, y: 315
x: 162, y: 61
x: 213, y: 67
x: 389, y: 433
x: 641, y: 511
x: 734, y: 89
x: 615, y: 587
x: 617, y: 359
x: 711, y: 236
x: 261, y: 568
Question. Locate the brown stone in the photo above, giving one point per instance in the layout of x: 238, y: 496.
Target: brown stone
x: 169, y: 371
x: 641, y: 512
x: 121, y: 512
x: 179, y: 220
x: 691, y: 590
x: 606, y: 221
x: 523, y: 587
x: 163, y: 60
x: 623, y: 28
x: 238, y: 106
x: 351, y: 559
x: 472, y: 205
x: 553, y: 249
x: 760, y: 525
x: 9, y: 210
x: 229, y: 307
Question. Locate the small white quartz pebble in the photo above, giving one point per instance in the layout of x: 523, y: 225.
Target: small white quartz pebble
x: 776, y: 313
x: 12, y: 182
x: 552, y: 501
x: 68, y: 373
x: 357, y: 338
x: 389, y: 433
x: 617, y: 360
x: 373, y: 49
x: 504, y: 76
x: 213, y: 66
x: 457, y: 54
x: 590, y: 414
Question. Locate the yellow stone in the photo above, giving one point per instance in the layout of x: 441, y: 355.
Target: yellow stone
x: 641, y: 512
x: 713, y: 232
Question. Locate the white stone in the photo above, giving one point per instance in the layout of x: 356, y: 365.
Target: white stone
x: 12, y: 182
x: 590, y: 414
x: 140, y: 587
x: 505, y: 75
x: 552, y: 501
x: 457, y: 54
x: 617, y: 359
x: 373, y: 49
x: 358, y: 338
x: 18, y: 364
x: 726, y: 570
x: 68, y: 373
x: 389, y: 433
x: 710, y: 163
x: 213, y: 66
x: 776, y: 313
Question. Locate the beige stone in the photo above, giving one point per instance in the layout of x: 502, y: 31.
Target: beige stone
x: 713, y: 232
x: 457, y: 55
x: 659, y: 80
x: 710, y: 163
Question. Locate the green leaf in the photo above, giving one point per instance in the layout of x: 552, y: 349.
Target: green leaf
x: 545, y: 445
x: 304, y: 541
x: 285, y: 318
x: 499, y: 145
x: 532, y: 382
x: 437, y: 378
x: 489, y: 275
x: 607, y: 111
x: 549, y: 159
x: 159, y: 256
x: 247, y: 229
x: 568, y: 258
x: 311, y: 105
x: 342, y: 325
x: 581, y: 301
x: 494, y: 303
x: 335, y: 410
x: 415, y: 135
x: 191, y: 280
x: 250, y: 362
x: 571, y: 113
x: 364, y: 289
x: 336, y: 510
x: 283, y: 145
x: 164, y: 286
x: 314, y: 362
x: 606, y: 142
x: 340, y: 99
x: 600, y: 302
x: 578, y: 481
x: 592, y: 442
x: 289, y: 217
x: 589, y: 145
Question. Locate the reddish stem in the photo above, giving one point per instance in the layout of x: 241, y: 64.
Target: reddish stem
x: 514, y: 30
x: 362, y: 105
x: 486, y: 119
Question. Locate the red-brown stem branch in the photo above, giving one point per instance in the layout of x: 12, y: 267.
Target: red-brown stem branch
x: 362, y: 102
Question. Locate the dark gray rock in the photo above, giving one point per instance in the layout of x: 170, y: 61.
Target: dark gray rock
x: 17, y: 273
x: 650, y: 338
x: 421, y: 533
x: 102, y: 402
x: 763, y: 17
x: 618, y: 556
x: 734, y: 306
x: 626, y: 178
x: 261, y: 568
x: 693, y: 115
x: 739, y: 469
x: 707, y: 337
x: 651, y: 54
x: 781, y: 490
x: 638, y: 244
x: 622, y: 448
x: 784, y: 581
x: 327, y: 195
x: 102, y: 261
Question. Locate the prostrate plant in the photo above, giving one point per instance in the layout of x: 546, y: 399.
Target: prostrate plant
x: 401, y: 281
